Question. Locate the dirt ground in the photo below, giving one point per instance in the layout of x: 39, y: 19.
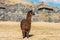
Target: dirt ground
x: 39, y: 31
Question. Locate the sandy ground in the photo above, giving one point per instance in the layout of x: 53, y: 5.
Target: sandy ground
x: 39, y: 30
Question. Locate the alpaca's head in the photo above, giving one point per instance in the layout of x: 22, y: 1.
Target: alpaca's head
x: 31, y: 12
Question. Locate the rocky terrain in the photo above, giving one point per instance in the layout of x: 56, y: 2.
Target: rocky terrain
x: 16, y: 11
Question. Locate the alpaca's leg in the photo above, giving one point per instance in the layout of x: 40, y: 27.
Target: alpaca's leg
x: 27, y: 34
x: 24, y: 34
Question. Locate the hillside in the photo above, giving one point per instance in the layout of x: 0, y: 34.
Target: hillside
x: 13, y: 2
x: 16, y: 11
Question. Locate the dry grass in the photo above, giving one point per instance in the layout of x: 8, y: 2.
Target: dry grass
x: 40, y: 31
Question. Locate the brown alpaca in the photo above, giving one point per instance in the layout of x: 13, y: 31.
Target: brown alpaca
x: 26, y: 24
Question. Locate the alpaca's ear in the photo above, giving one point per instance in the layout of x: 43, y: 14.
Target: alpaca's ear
x: 30, y: 11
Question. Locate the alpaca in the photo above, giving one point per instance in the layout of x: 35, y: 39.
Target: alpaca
x: 26, y: 24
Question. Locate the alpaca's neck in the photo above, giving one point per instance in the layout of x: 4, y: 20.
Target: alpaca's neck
x: 28, y: 17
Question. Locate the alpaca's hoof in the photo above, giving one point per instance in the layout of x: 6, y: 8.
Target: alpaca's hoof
x: 27, y: 37
x: 23, y: 37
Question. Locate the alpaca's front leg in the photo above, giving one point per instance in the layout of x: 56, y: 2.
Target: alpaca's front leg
x: 23, y: 33
x: 27, y: 34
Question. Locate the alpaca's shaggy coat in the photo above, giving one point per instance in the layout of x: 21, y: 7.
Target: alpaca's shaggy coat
x: 26, y: 24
